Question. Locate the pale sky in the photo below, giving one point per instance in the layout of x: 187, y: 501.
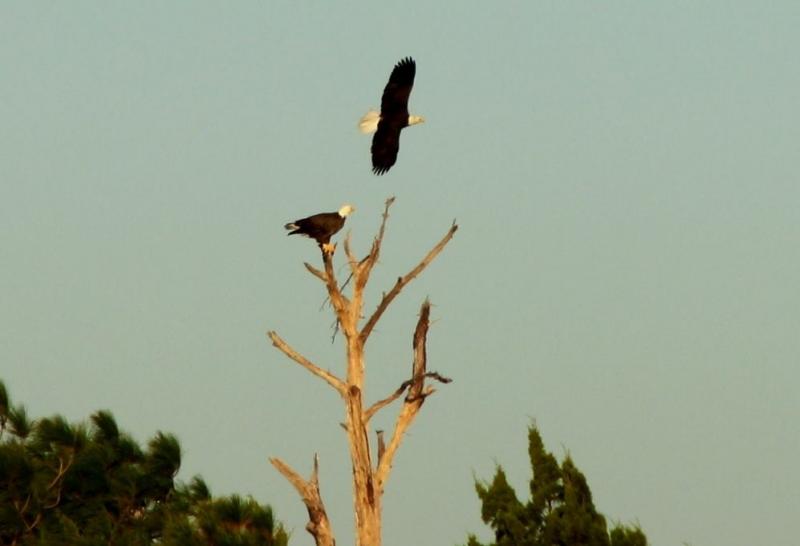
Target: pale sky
x: 626, y: 272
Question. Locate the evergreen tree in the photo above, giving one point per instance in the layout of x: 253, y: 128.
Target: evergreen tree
x: 559, y: 512
x: 85, y: 484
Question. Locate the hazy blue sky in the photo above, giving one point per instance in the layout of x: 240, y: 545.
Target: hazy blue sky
x: 625, y: 175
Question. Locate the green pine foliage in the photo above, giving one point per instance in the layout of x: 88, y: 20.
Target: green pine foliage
x: 89, y: 484
x: 559, y: 512
x: 627, y: 536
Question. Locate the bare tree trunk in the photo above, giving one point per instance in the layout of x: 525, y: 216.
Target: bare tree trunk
x: 369, y: 477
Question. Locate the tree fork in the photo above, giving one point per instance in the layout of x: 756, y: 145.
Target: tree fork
x: 318, y: 523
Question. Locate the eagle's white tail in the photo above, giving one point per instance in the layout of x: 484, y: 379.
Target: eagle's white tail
x: 369, y: 123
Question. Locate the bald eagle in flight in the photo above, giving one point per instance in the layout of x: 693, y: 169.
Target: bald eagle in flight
x: 321, y: 227
x: 393, y: 117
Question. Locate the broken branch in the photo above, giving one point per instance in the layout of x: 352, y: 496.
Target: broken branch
x: 379, y: 405
x: 318, y: 523
x: 413, y: 401
x: 381, y: 445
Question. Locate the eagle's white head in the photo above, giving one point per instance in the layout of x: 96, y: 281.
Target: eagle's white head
x: 413, y: 120
x: 345, y: 210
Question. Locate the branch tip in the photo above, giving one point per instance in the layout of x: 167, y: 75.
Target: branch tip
x: 286, y: 349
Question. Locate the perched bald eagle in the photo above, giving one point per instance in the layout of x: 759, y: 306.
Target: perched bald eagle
x: 321, y: 227
x: 393, y: 117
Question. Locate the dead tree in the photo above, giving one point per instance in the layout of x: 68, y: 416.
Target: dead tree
x: 369, y: 475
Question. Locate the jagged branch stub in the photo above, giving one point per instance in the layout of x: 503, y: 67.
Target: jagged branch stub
x: 318, y: 523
